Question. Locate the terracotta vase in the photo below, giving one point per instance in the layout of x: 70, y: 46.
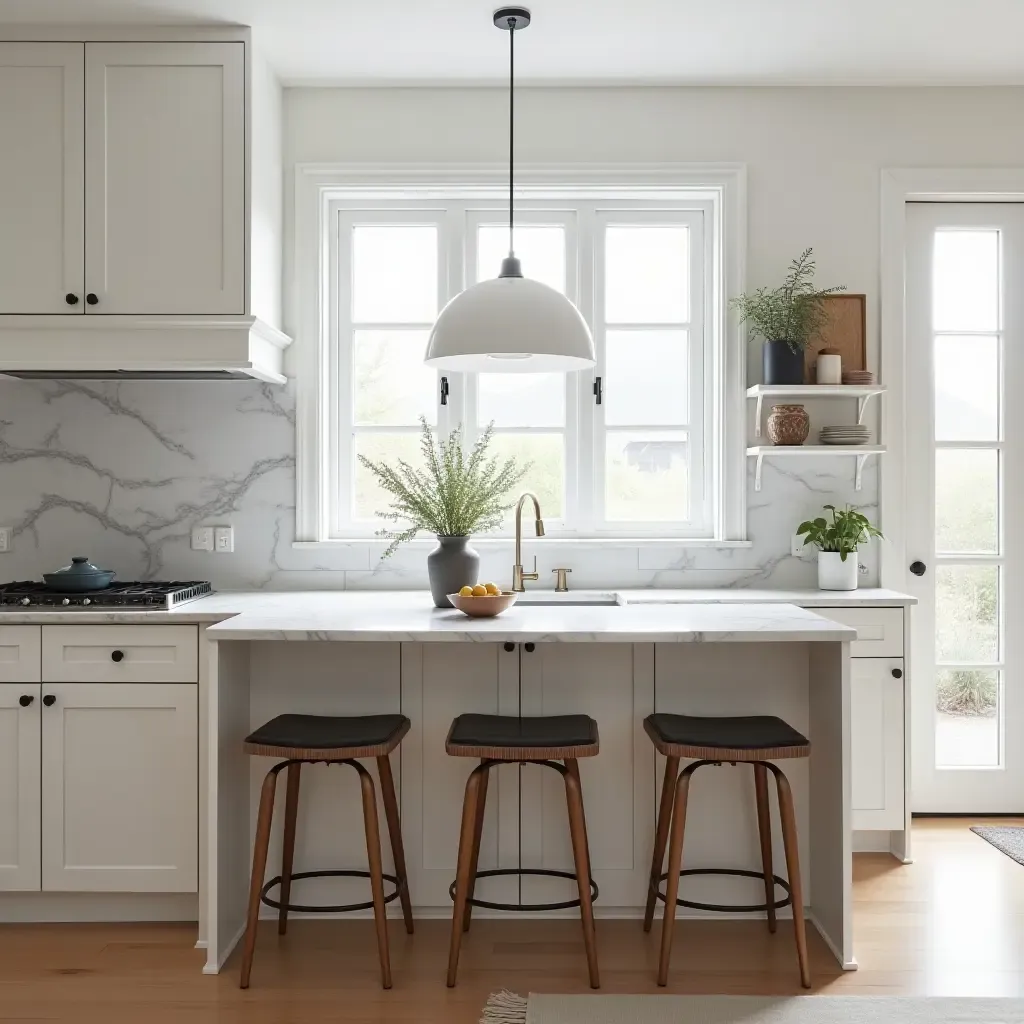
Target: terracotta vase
x: 788, y: 425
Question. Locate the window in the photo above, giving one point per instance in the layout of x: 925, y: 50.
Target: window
x: 628, y: 449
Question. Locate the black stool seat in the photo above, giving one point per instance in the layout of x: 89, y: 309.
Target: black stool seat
x: 740, y: 738
x: 318, y: 736
x: 508, y: 737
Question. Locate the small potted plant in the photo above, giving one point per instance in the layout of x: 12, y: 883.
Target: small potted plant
x: 453, y: 496
x: 788, y: 318
x: 836, y: 542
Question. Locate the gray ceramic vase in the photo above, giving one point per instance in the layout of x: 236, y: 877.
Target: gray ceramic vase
x: 451, y: 565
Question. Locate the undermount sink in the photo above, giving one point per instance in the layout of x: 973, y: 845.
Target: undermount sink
x: 551, y: 599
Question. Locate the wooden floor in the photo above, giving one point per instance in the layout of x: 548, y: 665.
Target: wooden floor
x: 952, y: 923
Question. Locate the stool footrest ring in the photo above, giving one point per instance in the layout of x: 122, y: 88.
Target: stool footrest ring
x: 720, y: 908
x: 527, y: 907
x: 341, y: 909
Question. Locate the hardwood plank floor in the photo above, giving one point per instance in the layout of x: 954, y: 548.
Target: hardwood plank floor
x: 952, y: 923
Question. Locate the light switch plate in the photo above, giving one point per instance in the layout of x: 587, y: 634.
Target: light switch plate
x: 797, y: 547
x: 202, y: 538
x: 223, y: 539
x: 5, y: 539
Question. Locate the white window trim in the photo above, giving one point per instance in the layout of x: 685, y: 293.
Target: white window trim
x: 723, y: 186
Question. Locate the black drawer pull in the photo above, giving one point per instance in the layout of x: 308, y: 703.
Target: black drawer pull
x: 117, y: 655
x: 25, y: 699
x: 92, y: 298
x: 71, y: 299
x: 49, y: 700
x: 530, y: 648
x: 509, y: 646
x: 897, y: 673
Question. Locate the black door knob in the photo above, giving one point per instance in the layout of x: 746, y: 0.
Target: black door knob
x: 117, y: 655
x: 509, y: 646
x: 92, y: 298
x: 71, y: 299
x: 897, y: 673
x: 530, y: 648
x: 49, y: 700
x: 25, y: 699
x: 918, y: 568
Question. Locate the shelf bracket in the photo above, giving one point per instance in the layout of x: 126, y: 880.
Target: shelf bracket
x: 858, y: 479
x: 757, y: 471
x: 862, y: 406
x: 757, y: 421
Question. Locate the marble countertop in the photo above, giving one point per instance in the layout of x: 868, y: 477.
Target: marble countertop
x: 318, y: 605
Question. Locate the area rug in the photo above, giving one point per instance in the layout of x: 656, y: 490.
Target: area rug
x: 1005, y: 838
x: 509, y: 1008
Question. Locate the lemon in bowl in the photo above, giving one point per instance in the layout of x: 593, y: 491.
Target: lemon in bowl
x: 483, y: 600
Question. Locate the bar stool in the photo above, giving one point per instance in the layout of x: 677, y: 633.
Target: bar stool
x: 500, y: 739
x: 750, y: 741
x: 309, y: 739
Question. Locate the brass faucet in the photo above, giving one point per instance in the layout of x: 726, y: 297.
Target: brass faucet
x: 517, y: 570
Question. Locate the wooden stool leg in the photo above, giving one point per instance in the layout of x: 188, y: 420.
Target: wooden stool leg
x: 387, y: 789
x: 789, y: 835
x: 675, y: 863
x: 481, y: 809
x: 372, y: 827
x: 764, y: 829
x: 661, y: 835
x: 291, y: 809
x: 464, y: 873
x: 259, y: 868
x: 581, y: 857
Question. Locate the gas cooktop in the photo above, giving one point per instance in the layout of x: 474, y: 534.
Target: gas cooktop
x: 152, y: 594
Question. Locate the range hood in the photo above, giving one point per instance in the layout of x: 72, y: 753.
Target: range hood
x: 141, y: 348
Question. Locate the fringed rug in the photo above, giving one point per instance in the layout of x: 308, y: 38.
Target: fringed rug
x: 1006, y: 839
x: 509, y: 1008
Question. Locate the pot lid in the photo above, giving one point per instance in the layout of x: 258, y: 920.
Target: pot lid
x: 80, y: 566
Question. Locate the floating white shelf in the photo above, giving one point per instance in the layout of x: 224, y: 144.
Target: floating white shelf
x: 861, y: 451
x: 862, y: 392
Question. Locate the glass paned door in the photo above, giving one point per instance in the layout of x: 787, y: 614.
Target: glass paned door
x: 963, y: 363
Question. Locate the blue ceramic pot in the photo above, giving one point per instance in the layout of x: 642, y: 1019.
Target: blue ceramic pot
x: 79, y: 576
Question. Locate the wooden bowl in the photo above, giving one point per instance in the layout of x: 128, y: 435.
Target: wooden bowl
x: 483, y: 607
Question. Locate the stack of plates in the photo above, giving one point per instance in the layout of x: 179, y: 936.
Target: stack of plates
x: 845, y: 435
x: 858, y: 377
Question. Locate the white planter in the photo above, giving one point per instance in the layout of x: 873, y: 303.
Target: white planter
x: 834, y: 573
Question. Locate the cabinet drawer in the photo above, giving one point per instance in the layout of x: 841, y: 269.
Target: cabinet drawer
x: 879, y: 630
x: 19, y: 654
x: 120, y: 654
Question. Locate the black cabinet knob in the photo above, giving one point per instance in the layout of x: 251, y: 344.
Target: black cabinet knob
x: 897, y: 673
x: 49, y: 700
x: 71, y: 299
x: 117, y: 655
x: 918, y: 568
x: 509, y: 646
x: 25, y: 699
x: 530, y: 648
x: 92, y: 298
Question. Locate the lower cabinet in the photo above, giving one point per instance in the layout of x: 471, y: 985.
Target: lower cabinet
x: 20, y: 764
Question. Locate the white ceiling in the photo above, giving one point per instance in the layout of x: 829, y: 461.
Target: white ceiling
x: 870, y: 42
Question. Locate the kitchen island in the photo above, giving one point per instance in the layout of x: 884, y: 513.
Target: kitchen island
x: 358, y: 654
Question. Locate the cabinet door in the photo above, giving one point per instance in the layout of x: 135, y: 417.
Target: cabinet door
x: 165, y: 177
x: 120, y: 800
x: 19, y: 786
x: 876, y: 726
x: 597, y: 680
x: 439, y: 682
x: 42, y: 183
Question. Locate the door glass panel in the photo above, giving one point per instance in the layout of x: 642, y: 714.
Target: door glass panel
x: 966, y: 388
x: 967, y: 500
x: 394, y: 273
x: 965, y: 282
x: 647, y: 274
x: 967, y: 718
x: 545, y: 454
x: 967, y: 613
x: 647, y: 378
x: 390, y: 384
x: 368, y: 495
x: 646, y: 475
x: 540, y: 248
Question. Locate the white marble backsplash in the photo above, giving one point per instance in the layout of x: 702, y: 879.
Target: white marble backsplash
x: 121, y: 472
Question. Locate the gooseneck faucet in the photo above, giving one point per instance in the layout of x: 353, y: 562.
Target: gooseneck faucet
x: 517, y: 570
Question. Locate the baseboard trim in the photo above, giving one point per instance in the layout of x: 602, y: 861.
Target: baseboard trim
x: 98, y: 907
x: 847, y: 965
x: 217, y: 965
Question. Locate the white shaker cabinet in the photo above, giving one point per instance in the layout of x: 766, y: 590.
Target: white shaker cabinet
x: 19, y: 786
x: 165, y: 177
x: 120, y: 787
x: 42, y: 183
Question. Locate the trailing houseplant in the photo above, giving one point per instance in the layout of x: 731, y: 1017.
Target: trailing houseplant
x: 454, y: 496
x: 836, y: 541
x: 788, y: 318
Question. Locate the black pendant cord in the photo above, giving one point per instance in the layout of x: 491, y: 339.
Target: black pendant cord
x: 511, y: 128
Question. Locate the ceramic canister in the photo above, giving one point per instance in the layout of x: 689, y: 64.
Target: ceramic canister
x: 830, y: 367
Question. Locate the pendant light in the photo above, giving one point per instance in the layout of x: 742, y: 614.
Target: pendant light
x: 510, y: 324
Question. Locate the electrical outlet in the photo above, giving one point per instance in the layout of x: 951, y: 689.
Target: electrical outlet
x: 202, y: 538
x: 796, y: 546
x: 5, y: 539
x: 223, y: 539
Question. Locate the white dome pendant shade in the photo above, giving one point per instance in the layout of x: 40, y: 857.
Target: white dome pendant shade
x: 510, y: 324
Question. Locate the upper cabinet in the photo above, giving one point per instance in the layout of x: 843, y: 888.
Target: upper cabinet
x: 42, y: 178
x: 165, y: 178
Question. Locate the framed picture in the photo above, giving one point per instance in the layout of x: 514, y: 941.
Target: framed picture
x: 845, y: 330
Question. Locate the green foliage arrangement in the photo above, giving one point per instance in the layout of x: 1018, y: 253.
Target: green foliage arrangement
x: 454, y: 496
x: 793, y: 312
x: 848, y: 529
